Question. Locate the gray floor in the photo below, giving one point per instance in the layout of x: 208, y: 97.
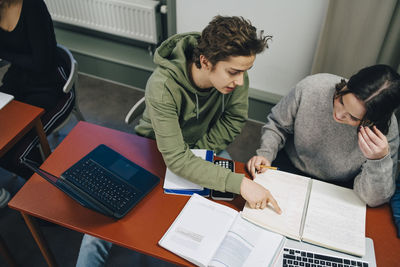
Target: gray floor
x: 106, y: 104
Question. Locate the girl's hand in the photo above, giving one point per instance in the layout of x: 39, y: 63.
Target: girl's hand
x: 254, y: 163
x: 373, y: 143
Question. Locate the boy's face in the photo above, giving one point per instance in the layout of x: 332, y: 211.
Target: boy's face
x: 226, y: 75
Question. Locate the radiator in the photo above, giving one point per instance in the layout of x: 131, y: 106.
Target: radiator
x: 133, y: 19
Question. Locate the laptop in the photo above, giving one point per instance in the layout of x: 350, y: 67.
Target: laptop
x: 5, y: 99
x: 103, y: 181
x: 296, y: 253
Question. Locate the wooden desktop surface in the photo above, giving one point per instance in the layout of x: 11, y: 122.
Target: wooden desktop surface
x: 143, y: 227
x: 16, y: 119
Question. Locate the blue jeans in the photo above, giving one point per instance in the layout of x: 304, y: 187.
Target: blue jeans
x: 94, y: 251
x: 224, y: 154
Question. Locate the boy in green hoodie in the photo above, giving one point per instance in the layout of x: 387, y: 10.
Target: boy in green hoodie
x: 198, y: 98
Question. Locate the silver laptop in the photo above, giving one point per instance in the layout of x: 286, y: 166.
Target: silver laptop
x: 295, y: 253
x: 5, y: 99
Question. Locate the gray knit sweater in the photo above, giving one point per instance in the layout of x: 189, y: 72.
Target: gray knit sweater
x: 302, y: 124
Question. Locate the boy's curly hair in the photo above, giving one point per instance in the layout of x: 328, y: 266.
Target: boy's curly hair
x: 229, y: 36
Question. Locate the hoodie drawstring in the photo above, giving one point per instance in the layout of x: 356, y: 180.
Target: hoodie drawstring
x: 197, y: 106
x: 223, y: 103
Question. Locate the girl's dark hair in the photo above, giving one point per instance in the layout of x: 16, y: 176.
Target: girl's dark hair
x: 378, y: 87
x: 229, y: 36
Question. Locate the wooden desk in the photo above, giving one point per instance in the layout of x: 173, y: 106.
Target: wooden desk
x: 16, y: 120
x: 144, y: 226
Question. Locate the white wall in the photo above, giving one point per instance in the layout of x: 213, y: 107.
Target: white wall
x: 294, y: 24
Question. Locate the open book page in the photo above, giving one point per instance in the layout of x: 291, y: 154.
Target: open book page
x: 335, y: 219
x: 290, y: 191
x: 173, y: 181
x: 247, y: 244
x: 198, y: 230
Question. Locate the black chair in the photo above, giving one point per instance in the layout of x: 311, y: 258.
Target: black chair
x: 52, y: 120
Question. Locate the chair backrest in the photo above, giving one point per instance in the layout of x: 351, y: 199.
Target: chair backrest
x: 70, y: 67
x: 135, y: 111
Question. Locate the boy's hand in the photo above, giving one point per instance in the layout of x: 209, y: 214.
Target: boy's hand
x: 257, y: 196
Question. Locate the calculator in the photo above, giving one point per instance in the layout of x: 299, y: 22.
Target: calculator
x: 229, y: 164
x: 218, y: 195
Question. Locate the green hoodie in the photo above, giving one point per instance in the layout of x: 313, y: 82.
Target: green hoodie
x: 180, y: 116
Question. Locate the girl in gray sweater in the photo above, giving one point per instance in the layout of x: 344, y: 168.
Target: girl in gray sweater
x: 337, y: 131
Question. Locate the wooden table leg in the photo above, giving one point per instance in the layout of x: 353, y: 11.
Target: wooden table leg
x: 42, y: 138
x: 39, y: 238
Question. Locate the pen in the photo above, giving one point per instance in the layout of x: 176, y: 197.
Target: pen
x: 268, y: 167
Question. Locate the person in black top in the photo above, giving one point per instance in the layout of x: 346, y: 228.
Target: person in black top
x: 36, y: 74
x: 28, y: 42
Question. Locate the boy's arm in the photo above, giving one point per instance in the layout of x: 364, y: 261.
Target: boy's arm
x: 176, y: 153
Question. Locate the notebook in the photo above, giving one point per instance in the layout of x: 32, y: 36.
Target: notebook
x: 313, y: 211
x: 176, y: 185
x: 5, y: 99
x: 296, y: 253
x: 103, y: 181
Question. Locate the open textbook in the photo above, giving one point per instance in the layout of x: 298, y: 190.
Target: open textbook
x: 210, y: 234
x: 313, y: 211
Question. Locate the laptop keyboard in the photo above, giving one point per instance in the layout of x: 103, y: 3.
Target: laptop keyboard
x: 101, y: 185
x: 294, y: 257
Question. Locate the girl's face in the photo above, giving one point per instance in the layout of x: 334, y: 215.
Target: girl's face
x: 348, y: 109
x: 228, y: 74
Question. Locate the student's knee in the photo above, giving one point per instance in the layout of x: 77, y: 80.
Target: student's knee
x: 91, y: 242
x: 93, y: 252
